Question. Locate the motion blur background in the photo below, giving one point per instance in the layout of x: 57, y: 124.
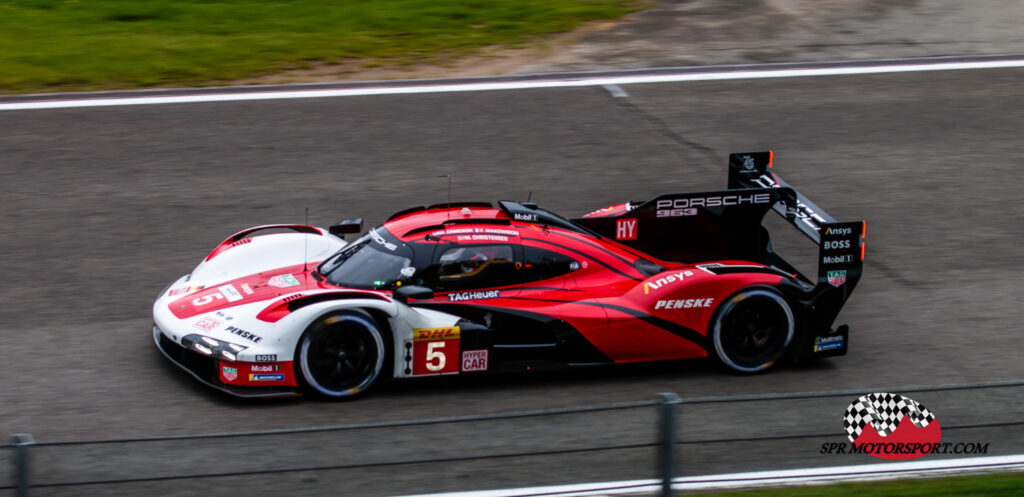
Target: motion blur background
x: 103, y: 206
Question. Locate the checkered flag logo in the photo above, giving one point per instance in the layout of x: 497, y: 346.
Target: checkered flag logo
x: 884, y: 411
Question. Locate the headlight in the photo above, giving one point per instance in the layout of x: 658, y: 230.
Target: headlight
x: 212, y: 347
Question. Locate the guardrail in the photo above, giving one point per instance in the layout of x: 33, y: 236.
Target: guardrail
x: 665, y: 443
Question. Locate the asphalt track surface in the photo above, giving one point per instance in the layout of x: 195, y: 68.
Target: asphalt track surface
x: 103, y: 207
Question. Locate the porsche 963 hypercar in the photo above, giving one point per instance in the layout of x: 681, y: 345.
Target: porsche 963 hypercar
x: 471, y: 288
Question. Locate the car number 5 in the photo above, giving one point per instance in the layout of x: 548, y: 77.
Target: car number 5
x: 434, y: 352
x: 207, y: 299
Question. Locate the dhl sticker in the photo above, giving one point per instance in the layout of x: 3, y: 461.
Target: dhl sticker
x: 431, y: 334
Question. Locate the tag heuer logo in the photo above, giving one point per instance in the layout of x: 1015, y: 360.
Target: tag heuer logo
x: 836, y: 278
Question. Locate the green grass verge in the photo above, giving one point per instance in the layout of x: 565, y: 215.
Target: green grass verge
x: 995, y: 485
x: 48, y: 45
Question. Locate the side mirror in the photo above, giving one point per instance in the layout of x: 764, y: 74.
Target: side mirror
x: 404, y: 293
x: 346, y: 227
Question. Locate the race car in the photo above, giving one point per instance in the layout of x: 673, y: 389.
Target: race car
x: 471, y: 288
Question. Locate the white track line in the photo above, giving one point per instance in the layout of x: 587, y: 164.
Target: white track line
x: 764, y: 478
x: 556, y: 82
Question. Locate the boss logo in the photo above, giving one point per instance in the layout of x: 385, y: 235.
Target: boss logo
x: 837, y: 244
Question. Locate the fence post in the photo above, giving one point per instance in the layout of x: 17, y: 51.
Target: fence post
x: 668, y: 438
x: 21, y: 442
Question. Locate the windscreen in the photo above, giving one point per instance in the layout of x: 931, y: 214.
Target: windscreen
x: 372, y: 262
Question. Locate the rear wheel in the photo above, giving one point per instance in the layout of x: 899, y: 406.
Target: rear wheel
x: 341, y: 355
x: 752, y: 329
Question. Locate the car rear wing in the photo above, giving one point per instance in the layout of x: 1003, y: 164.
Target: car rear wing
x: 727, y: 224
x: 840, y: 245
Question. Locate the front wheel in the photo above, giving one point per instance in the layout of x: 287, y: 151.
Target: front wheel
x: 752, y: 329
x: 341, y: 355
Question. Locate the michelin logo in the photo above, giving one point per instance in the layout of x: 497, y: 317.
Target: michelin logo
x: 822, y: 344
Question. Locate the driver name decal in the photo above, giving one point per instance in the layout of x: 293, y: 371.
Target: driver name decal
x: 482, y: 238
x: 469, y: 231
x: 488, y: 294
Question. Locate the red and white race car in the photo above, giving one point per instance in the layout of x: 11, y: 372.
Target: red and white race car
x: 469, y: 288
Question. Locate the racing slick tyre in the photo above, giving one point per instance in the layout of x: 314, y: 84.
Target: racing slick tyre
x: 752, y: 329
x: 341, y: 355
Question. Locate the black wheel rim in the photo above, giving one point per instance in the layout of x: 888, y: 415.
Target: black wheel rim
x: 755, y: 331
x: 342, y: 356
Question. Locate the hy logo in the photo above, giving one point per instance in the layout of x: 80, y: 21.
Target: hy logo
x: 891, y: 426
x: 625, y: 229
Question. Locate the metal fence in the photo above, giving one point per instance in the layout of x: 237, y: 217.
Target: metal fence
x: 657, y: 436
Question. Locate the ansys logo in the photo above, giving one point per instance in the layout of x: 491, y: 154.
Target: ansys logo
x: 891, y: 426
